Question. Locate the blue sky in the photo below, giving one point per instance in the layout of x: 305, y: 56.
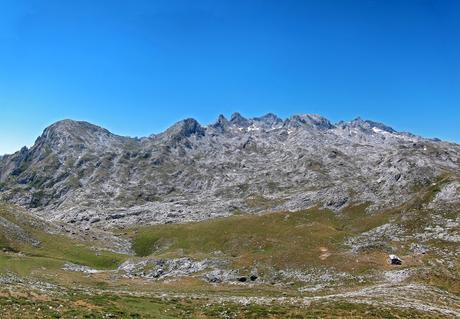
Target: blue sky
x: 136, y: 67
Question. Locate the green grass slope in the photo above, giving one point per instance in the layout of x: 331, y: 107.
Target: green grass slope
x: 282, y: 240
x: 52, y: 249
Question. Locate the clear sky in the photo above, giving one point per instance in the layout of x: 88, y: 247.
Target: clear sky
x: 135, y: 67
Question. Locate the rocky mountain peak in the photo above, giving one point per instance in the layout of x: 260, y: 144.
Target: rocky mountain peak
x: 366, y: 125
x: 185, y: 128
x: 73, y: 127
x: 221, y: 119
x: 309, y: 120
x: 238, y: 120
x: 269, y: 119
x: 221, y: 124
x: 74, y: 132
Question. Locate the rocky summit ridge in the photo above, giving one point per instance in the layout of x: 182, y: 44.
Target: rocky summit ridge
x: 82, y: 174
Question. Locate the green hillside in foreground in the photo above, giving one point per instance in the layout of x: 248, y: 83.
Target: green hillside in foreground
x: 31, y: 237
x: 281, y: 240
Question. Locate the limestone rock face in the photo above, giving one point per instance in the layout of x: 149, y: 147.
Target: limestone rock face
x: 84, y: 175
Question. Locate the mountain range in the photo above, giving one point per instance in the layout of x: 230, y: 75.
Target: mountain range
x: 82, y: 174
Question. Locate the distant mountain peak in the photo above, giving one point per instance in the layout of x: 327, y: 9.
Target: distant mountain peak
x: 221, y: 119
x: 238, y: 120
x: 185, y: 128
x: 221, y: 123
x: 68, y: 124
x: 72, y: 127
x: 312, y: 120
x: 69, y: 132
x: 269, y: 119
x: 366, y: 125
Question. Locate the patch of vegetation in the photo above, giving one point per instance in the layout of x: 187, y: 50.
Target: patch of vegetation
x: 66, y: 249
x: 281, y: 240
x: 26, y: 265
x: 261, y: 202
x: 4, y: 243
x: 56, y: 247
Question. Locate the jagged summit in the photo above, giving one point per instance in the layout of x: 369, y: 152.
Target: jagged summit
x: 269, y: 119
x: 185, y: 128
x: 221, y: 123
x: 310, y: 120
x: 238, y: 120
x: 366, y: 125
x: 81, y: 130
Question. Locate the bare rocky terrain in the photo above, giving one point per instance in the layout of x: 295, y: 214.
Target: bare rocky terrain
x: 84, y: 175
x: 297, y: 213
